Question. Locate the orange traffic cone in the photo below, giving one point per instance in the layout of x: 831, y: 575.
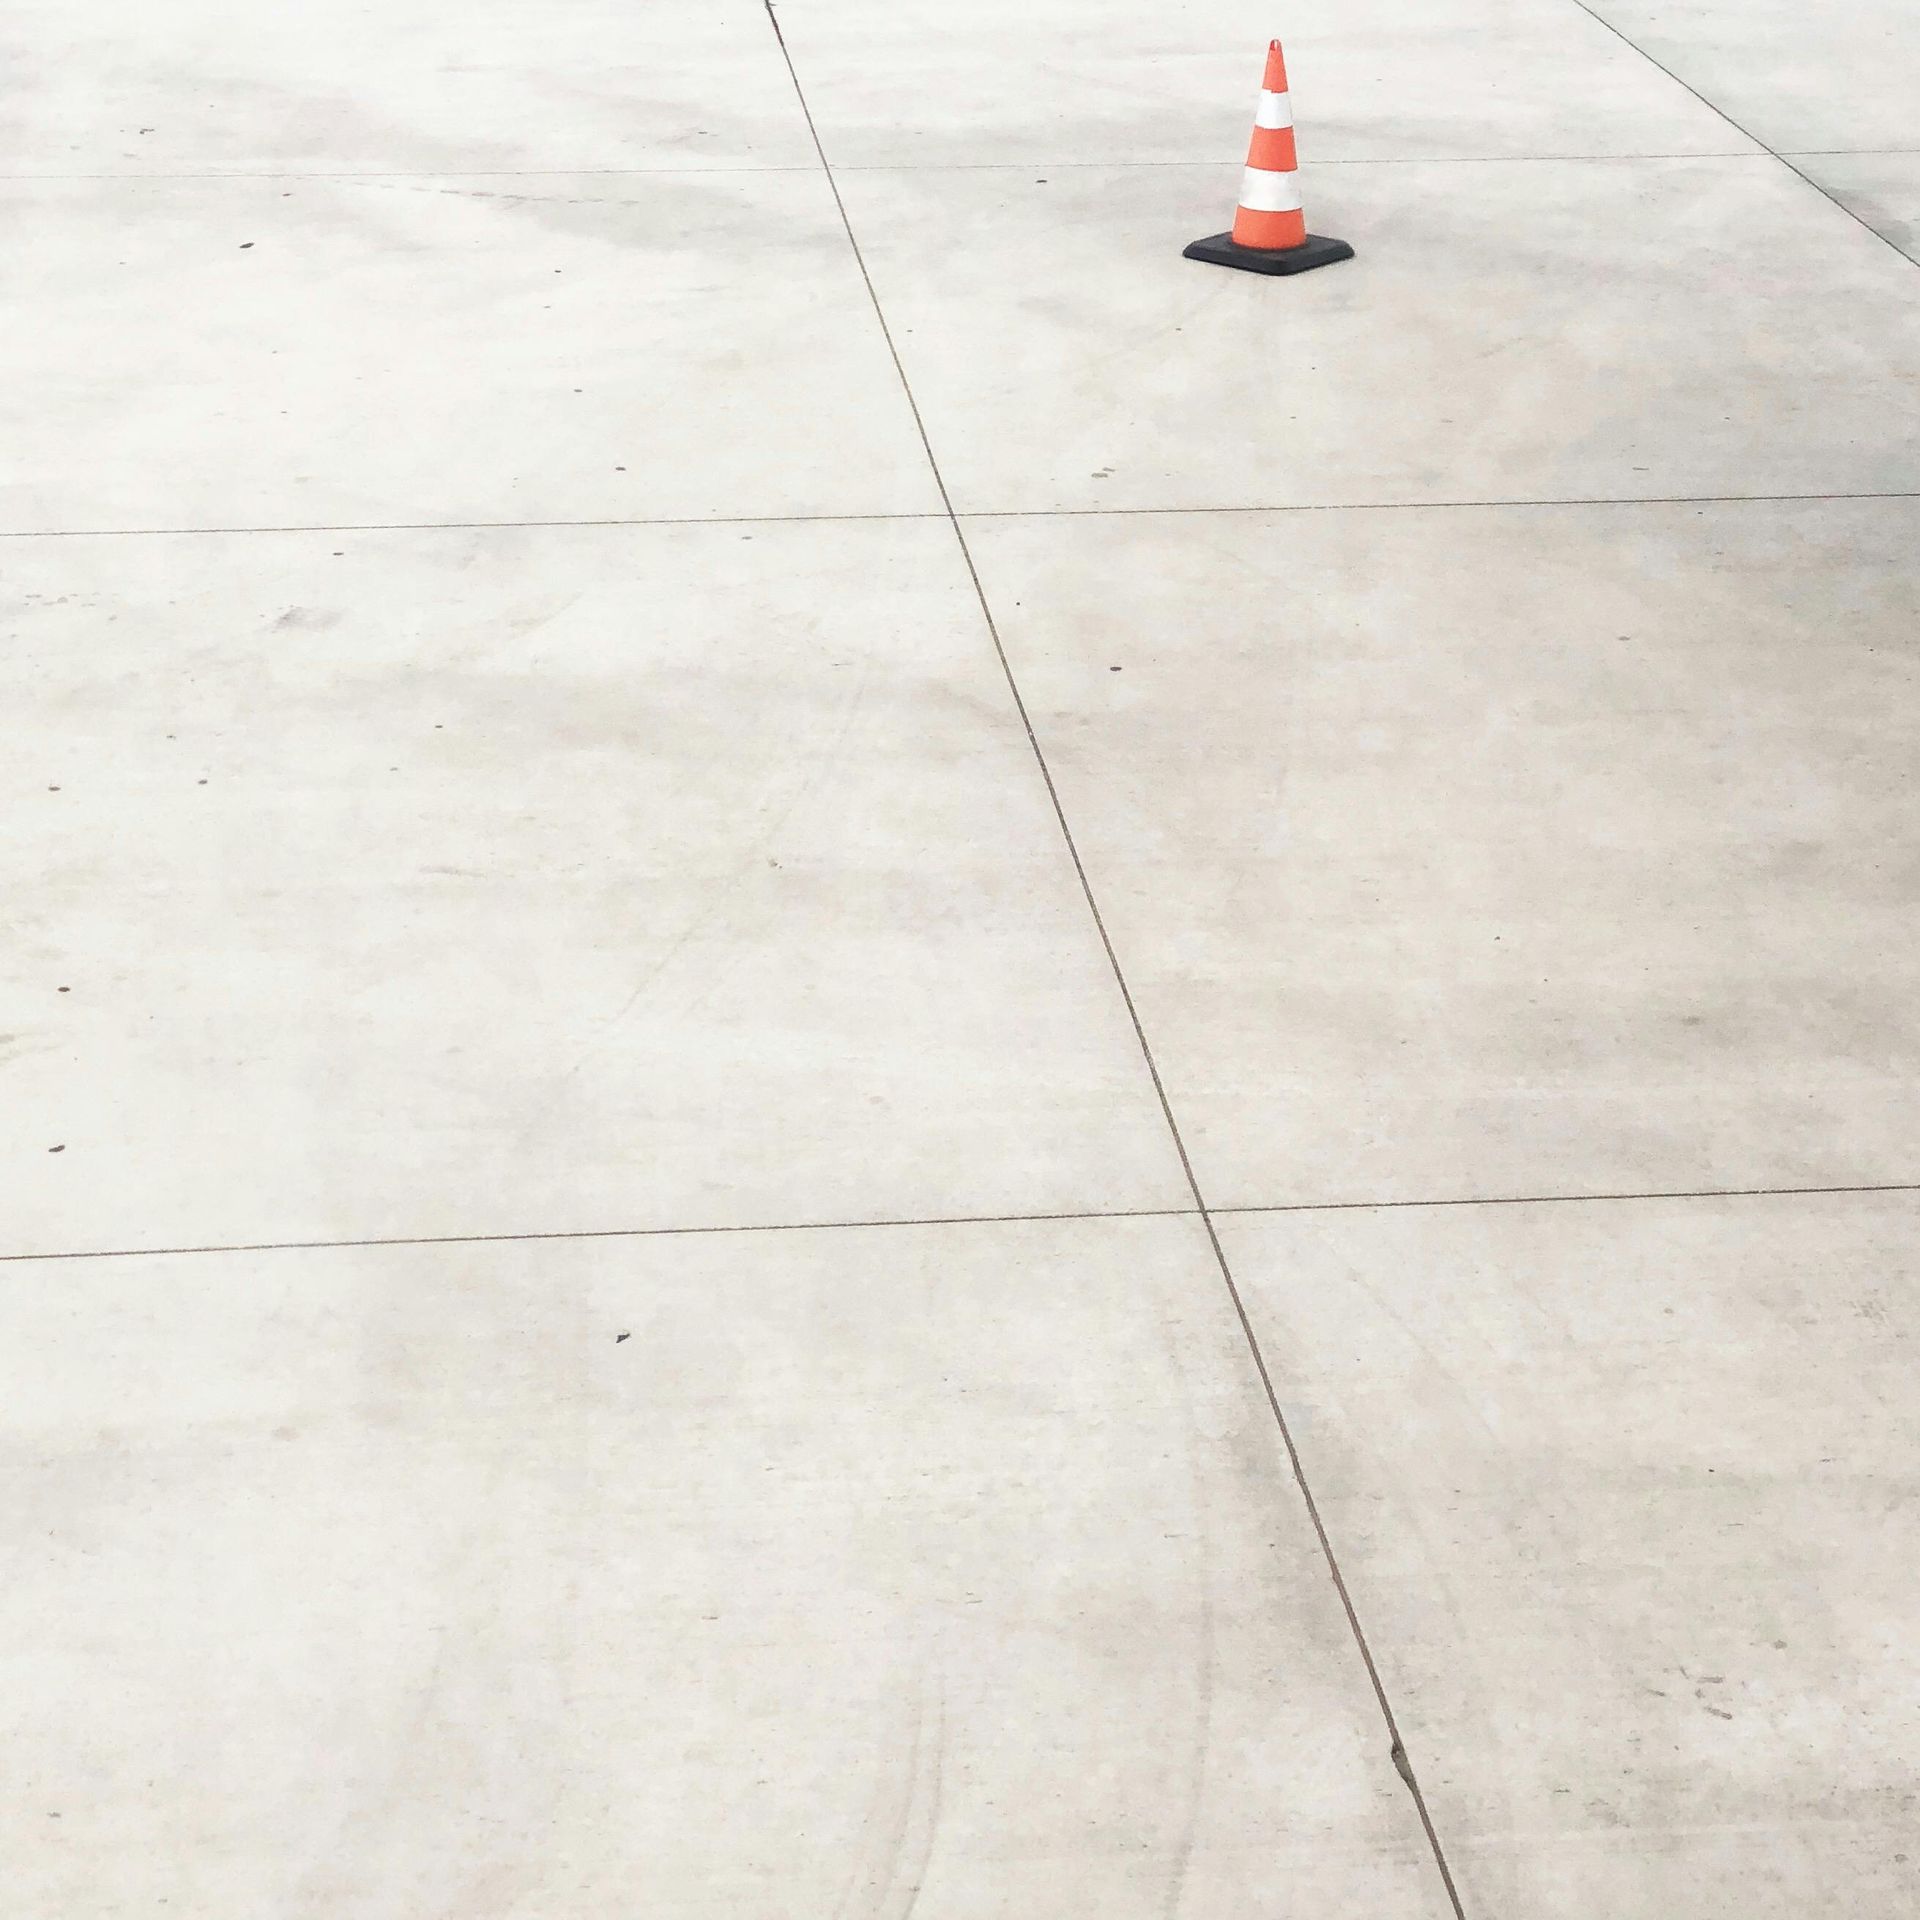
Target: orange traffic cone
x: 1269, y: 231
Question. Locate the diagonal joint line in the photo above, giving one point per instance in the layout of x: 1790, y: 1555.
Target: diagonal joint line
x: 1746, y: 133
x: 1397, y: 1749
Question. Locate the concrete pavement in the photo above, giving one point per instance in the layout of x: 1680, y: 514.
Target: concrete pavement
x: 739, y: 876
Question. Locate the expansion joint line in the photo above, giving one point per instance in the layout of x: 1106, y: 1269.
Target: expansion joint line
x: 1403, y: 1766
x: 1746, y: 133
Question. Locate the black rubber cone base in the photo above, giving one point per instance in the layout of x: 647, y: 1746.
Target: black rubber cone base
x: 1315, y: 251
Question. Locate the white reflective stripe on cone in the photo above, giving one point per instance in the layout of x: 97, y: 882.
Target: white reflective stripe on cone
x: 1274, y: 110
x: 1264, y: 192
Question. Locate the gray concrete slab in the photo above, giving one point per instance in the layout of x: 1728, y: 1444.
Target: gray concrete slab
x: 1498, y: 851
x: 1112, y: 82
x: 1838, y: 76
x: 562, y: 878
x: 433, y: 350
x: 223, y: 86
x: 1627, y: 1496
x: 1883, y: 189
x: 943, y: 1570
x: 1527, y: 331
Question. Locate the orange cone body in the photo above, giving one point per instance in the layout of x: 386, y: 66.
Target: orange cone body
x: 1269, y: 233
x: 1269, y: 213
